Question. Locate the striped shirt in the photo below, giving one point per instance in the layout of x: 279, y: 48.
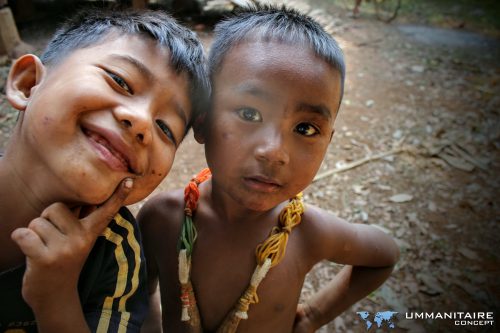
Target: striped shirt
x: 112, y: 285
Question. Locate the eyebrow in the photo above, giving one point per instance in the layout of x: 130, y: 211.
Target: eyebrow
x: 319, y: 109
x: 135, y: 63
x: 252, y: 89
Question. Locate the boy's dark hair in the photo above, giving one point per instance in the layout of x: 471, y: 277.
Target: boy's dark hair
x: 90, y: 27
x: 273, y: 23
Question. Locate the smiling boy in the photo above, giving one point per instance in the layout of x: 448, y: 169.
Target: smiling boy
x: 102, y: 114
x: 231, y: 252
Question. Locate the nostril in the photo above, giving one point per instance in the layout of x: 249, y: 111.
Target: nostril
x: 140, y: 137
x: 126, y: 123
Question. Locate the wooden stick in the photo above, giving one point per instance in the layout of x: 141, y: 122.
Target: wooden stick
x: 359, y: 162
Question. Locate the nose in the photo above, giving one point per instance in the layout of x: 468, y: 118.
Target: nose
x: 137, y: 121
x: 271, y: 147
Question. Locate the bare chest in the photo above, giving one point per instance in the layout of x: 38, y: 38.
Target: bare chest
x: 221, y: 273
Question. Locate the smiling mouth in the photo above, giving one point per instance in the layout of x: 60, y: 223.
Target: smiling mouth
x: 111, y: 156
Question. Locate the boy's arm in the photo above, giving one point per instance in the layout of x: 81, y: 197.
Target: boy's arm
x: 160, y: 220
x: 145, y: 218
x: 369, y: 256
x: 153, y: 322
x: 56, y: 246
x: 350, y: 285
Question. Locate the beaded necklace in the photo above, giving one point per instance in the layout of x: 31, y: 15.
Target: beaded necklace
x: 267, y: 254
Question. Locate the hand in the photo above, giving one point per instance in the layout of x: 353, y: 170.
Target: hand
x: 56, y: 246
x: 303, y: 321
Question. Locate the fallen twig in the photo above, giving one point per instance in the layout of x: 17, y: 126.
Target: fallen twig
x: 359, y: 162
x: 464, y: 154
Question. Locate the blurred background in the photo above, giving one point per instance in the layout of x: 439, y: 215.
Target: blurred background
x: 415, y: 151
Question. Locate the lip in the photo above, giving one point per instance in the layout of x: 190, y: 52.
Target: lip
x: 112, y: 149
x: 261, y: 183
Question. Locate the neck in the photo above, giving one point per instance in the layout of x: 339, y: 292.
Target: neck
x: 19, y: 204
x: 25, y: 191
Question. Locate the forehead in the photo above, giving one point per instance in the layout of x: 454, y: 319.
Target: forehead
x: 141, y: 46
x: 280, y: 69
x: 273, y: 55
x: 138, y: 55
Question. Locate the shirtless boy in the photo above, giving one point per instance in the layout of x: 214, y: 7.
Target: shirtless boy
x: 101, y: 116
x: 277, y: 81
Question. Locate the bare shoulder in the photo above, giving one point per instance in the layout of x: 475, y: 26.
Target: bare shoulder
x: 321, y: 229
x: 161, y: 213
x: 161, y: 205
x: 329, y: 237
x: 317, y: 221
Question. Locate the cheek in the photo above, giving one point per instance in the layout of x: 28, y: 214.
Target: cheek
x: 227, y: 146
x: 158, y: 169
x: 221, y: 134
x: 161, y: 165
x: 312, y: 157
x: 90, y: 190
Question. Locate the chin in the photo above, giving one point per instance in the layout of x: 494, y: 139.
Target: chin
x: 101, y: 199
x: 97, y: 200
x: 132, y: 199
x: 135, y: 197
x: 259, y: 206
x: 93, y: 195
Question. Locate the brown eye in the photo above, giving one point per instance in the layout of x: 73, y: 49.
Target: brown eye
x: 121, y: 82
x: 249, y: 114
x: 165, y: 129
x: 306, y: 129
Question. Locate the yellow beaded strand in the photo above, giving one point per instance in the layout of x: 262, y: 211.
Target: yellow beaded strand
x: 267, y: 254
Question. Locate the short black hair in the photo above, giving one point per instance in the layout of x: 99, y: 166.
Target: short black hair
x: 90, y: 26
x: 272, y: 23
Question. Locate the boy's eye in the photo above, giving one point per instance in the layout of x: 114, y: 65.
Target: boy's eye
x: 165, y: 129
x: 121, y: 82
x: 249, y: 114
x: 306, y: 129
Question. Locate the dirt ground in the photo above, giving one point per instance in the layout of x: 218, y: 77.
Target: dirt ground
x: 421, y: 116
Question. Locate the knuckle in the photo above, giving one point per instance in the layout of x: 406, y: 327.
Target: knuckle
x: 48, y: 260
x: 109, y: 216
x: 57, y: 205
x: 82, y: 245
x: 69, y: 252
x: 47, y: 211
x: 64, y: 255
x: 52, y: 209
x: 106, y: 218
x: 37, y: 223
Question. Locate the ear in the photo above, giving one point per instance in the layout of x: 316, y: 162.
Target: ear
x: 199, y: 128
x: 25, y: 74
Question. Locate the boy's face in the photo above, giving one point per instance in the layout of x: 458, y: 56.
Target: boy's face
x: 107, y: 112
x: 274, y: 108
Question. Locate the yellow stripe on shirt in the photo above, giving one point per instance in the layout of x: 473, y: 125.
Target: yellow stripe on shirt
x: 121, y: 279
x: 134, y: 244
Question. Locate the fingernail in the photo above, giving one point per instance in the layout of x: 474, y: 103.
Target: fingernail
x: 129, y: 182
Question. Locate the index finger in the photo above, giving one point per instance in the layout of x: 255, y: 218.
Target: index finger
x: 100, y: 218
